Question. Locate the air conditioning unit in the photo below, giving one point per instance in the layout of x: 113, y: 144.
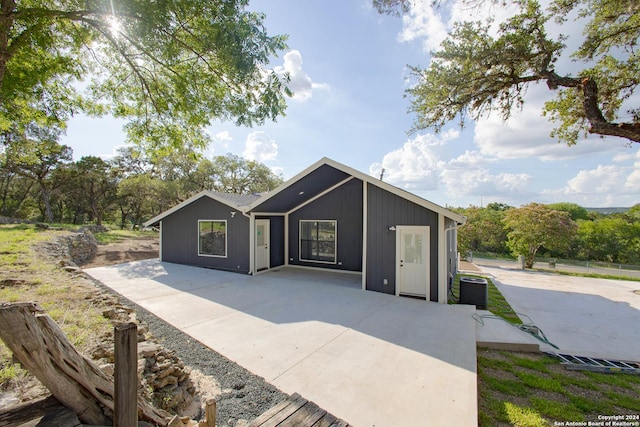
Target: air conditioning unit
x: 474, y: 291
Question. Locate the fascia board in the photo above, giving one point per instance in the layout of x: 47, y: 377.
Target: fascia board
x: 204, y: 193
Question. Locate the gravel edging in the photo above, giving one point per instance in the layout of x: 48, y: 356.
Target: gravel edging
x: 249, y: 395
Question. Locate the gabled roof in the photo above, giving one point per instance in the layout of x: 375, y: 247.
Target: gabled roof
x: 321, y: 176
x: 237, y: 201
x: 309, y: 183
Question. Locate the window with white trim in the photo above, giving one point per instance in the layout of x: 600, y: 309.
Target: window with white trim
x: 212, y: 238
x: 318, y: 241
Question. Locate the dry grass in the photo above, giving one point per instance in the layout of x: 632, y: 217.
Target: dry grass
x: 27, y: 275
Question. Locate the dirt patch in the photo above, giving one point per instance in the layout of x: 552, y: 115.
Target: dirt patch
x: 126, y: 250
x: 467, y: 266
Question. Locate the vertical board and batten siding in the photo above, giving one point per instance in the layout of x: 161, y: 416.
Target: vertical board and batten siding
x: 386, y: 209
x: 344, y: 205
x: 276, y: 240
x: 180, y: 236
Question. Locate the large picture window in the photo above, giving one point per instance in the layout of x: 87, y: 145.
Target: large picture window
x: 318, y: 241
x: 212, y: 238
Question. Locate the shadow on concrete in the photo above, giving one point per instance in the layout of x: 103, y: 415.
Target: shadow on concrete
x: 288, y: 295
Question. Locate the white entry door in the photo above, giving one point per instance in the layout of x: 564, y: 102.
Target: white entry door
x: 412, y: 260
x: 262, y: 244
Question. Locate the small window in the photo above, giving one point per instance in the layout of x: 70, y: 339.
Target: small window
x: 212, y: 238
x: 318, y: 241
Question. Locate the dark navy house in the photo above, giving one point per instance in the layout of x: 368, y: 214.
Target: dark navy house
x: 328, y: 216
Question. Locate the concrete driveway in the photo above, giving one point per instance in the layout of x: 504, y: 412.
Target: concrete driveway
x: 368, y: 358
x: 582, y: 316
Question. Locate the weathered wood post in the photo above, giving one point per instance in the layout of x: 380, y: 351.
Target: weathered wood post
x: 210, y: 413
x: 126, y: 375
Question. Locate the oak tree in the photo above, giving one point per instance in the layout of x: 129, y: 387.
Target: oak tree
x: 475, y: 72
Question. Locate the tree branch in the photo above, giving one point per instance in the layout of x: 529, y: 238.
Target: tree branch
x: 598, y: 124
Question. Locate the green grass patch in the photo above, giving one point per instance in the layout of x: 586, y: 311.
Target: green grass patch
x: 578, y: 381
x: 539, y: 365
x: 496, y: 303
x: 614, y: 380
x: 116, y: 236
x: 486, y: 362
x: 510, y: 387
x: 623, y: 400
x: 532, y: 380
x: 556, y: 410
x: 10, y: 295
x: 9, y: 371
x: 529, y: 399
x: 586, y: 406
x: 49, y: 289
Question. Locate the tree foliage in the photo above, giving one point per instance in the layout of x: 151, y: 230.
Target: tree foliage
x: 613, y: 237
x: 533, y: 226
x: 474, y: 72
x: 128, y: 189
x: 609, y: 239
x: 483, y: 231
x: 576, y: 211
x: 168, y: 67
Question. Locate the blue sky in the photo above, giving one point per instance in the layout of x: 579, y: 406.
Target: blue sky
x: 349, y: 71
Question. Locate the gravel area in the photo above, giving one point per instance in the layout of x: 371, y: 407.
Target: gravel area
x: 249, y: 395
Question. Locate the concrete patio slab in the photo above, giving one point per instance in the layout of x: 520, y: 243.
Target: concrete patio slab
x: 583, y: 316
x: 495, y: 333
x: 368, y: 358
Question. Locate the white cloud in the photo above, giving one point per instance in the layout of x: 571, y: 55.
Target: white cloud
x: 421, y: 165
x: 527, y: 134
x: 260, y: 147
x: 432, y: 24
x: 468, y: 176
x: 479, y: 182
x: 221, y: 139
x: 300, y: 83
x: 222, y: 136
x: 603, y: 179
x: 606, y: 185
x: 470, y: 159
x: 422, y: 22
x: 417, y: 164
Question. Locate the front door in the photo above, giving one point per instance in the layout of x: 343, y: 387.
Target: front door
x: 262, y: 244
x: 412, y: 260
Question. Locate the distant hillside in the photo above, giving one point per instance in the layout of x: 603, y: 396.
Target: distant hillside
x: 606, y: 211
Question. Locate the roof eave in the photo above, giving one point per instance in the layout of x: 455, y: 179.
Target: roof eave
x: 204, y: 193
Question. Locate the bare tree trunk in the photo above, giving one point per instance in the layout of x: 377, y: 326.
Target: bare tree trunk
x: 46, y: 198
x: 43, y: 349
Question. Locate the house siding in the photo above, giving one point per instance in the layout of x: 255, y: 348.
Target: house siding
x: 386, y: 209
x: 276, y: 240
x: 180, y: 236
x: 344, y: 205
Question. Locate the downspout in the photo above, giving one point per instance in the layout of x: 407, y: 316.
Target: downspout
x: 286, y: 239
x: 160, y: 242
x: 365, y: 222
